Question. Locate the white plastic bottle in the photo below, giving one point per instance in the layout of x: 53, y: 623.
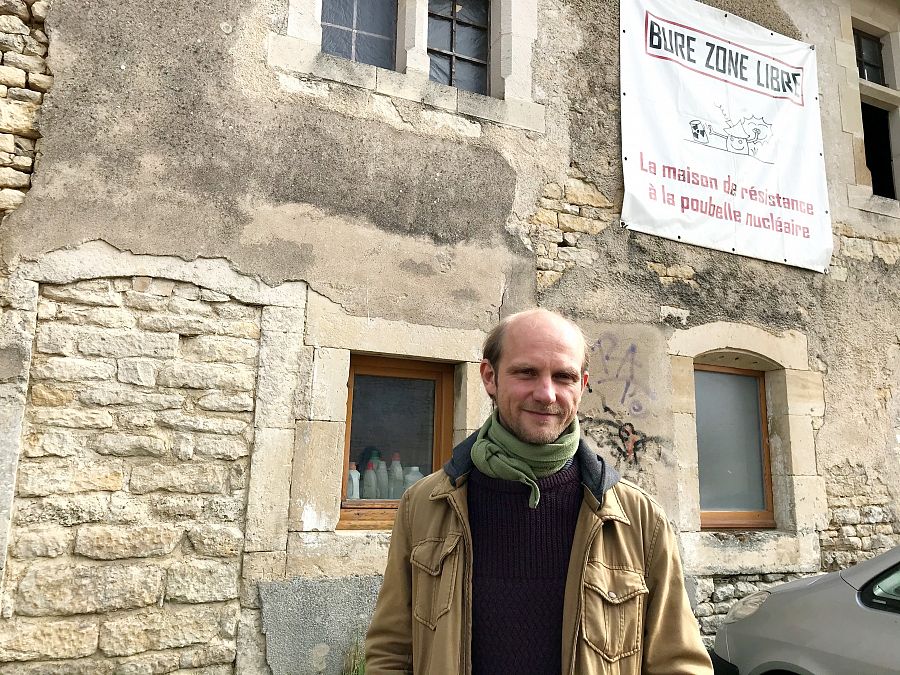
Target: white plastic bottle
x: 369, y: 482
x: 353, y: 482
x: 411, y: 477
x: 396, y: 476
x: 381, y: 473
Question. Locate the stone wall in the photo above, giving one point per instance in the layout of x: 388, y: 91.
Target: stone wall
x: 128, y: 522
x: 24, y: 79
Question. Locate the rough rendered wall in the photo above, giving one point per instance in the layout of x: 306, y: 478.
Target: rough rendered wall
x: 130, y: 499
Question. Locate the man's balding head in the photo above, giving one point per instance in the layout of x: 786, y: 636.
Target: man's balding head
x: 493, y: 344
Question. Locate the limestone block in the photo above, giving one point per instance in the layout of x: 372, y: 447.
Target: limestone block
x: 115, y: 395
x: 9, y: 42
x: 545, y: 217
x: 219, y: 348
x: 857, y: 249
x: 179, y: 305
x: 269, y: 495
x: 56, y: 338
x: 50, y: 395
x: 117, y: 344
x: 168, y: 628
x: 70, y: 369
x: 328, y: 326
x: 39, y: 10
x: 16, y: 8
x: 55, y: 477
x: 355, y: 553
x: 66, y: 511
x: 222, y: 402
x: 196, y: 581
x: 251, y: 645
x: 114, y: 542
x: 22, y: 163
x: 26, y: 640
x: 206, y: 376
x: 219, y: 447
x: 795, y: 392
x: 472, y: 406
x: 683, y: 395
x: 208, y: 295
x: 135, y: 420
x: 145, y: 301
x: 10, y: 199
x: 579, y: 256
x: 185, y: 478
x: 317, y: 476
x: 18, y: 94
x: 10, y: 178
x: 41, y: 83
x: 570, y: 223
x: 138, y: 371
x: 128, y: 445
x: 459, y: 435
x: 331, y: 370
x: 83, y: 589
x: 585, y: 194
x: 216, y: 425
x: 283, y: 319
x: 547, y: 279
x: 281, y: 398
x: 208, y: 655
x: 108, y: 317
x: 48, y: 541
x: 97, y: 296
x: 199, y: 325
x: 142, y: 664
x: 12, y: 77
x: 219, y: 541
x: 73, y: 419
x: 88, y: 666
x: 13, y: 25
x: 889, y: 253
x: 516, y: 113
x: 257, y: 567
x: 282, y: 351
x: 792, y: 447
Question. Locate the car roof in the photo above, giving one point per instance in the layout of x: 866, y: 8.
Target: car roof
x: 858, y: 575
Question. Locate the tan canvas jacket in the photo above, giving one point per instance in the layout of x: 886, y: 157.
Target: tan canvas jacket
x: 625, y: 609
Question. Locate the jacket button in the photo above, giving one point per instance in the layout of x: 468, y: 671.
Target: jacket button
x: 612, y: 594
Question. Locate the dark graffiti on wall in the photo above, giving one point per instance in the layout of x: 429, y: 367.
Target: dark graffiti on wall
x: 620, y: 376
x: 626, y: 444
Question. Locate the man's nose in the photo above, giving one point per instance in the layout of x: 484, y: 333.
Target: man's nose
x: 544, y: 391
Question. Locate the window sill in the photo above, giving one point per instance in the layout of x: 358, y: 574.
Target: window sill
x: 294, y: 55
x: 750, y: 552
x: 879, y: 95
x: 861, y: 197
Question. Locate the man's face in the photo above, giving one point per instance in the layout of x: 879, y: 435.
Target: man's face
x: 537, y: 384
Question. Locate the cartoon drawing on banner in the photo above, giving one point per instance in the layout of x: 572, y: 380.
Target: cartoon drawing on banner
x: 744, y: 137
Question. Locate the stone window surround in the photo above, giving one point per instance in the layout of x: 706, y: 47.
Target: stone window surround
x: 795, y: 396
x: 513, y: 31
x: 855, y: 89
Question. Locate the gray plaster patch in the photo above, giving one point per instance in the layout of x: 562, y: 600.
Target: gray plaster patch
x: 310, y: 624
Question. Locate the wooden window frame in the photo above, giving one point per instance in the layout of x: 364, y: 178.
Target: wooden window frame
x: 379, y: 514
x: 763, y: 519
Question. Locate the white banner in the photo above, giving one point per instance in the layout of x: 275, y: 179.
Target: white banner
x: 721, y: 136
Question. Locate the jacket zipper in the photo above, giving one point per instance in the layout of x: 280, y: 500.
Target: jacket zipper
x: 466, y: 646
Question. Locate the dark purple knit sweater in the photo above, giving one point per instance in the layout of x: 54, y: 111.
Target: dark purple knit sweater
x: 521, y: 557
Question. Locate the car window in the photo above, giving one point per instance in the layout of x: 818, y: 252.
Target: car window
x: 883, y: 592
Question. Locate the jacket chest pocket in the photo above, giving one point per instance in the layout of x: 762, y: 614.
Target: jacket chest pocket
x: 612, y: 610
x: 434, y: 564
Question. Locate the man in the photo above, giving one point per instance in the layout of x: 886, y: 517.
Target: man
x: 526, y: 554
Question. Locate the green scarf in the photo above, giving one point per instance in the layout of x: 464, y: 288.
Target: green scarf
x: 499, y: 454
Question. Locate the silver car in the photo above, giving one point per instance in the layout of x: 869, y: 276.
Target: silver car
x: 843, y: 623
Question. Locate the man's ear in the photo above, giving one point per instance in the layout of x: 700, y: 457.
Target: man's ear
x: 584, y: 380
x: 489, y: 378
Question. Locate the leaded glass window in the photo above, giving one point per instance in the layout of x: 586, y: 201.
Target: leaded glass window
x: 459, y: 43
x: 361, y: 30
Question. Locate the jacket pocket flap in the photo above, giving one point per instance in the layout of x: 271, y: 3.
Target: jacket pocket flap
x: 429, y: 554
x: 615, y: 585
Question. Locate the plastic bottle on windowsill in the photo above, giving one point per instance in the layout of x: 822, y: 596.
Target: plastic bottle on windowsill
x: 352, y: 482
x: 411, y: 477
x: 395, y: 476
x: 370, y: 482
x: 384, y: 487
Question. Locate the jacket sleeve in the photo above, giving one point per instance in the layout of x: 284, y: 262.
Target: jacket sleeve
x: 389, y: 638
x: 672, y: 644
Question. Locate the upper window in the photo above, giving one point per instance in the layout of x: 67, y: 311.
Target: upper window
x: 733, y: 448
x: 361, y: 30
x: 868, y: 57
x: 458, y: 43
x: 399, y: 429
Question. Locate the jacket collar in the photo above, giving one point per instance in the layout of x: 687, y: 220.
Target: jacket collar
x: 597, y: 476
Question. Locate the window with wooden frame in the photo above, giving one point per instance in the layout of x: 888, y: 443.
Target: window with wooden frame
x: 399, y: 429
x: 733, y: 448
